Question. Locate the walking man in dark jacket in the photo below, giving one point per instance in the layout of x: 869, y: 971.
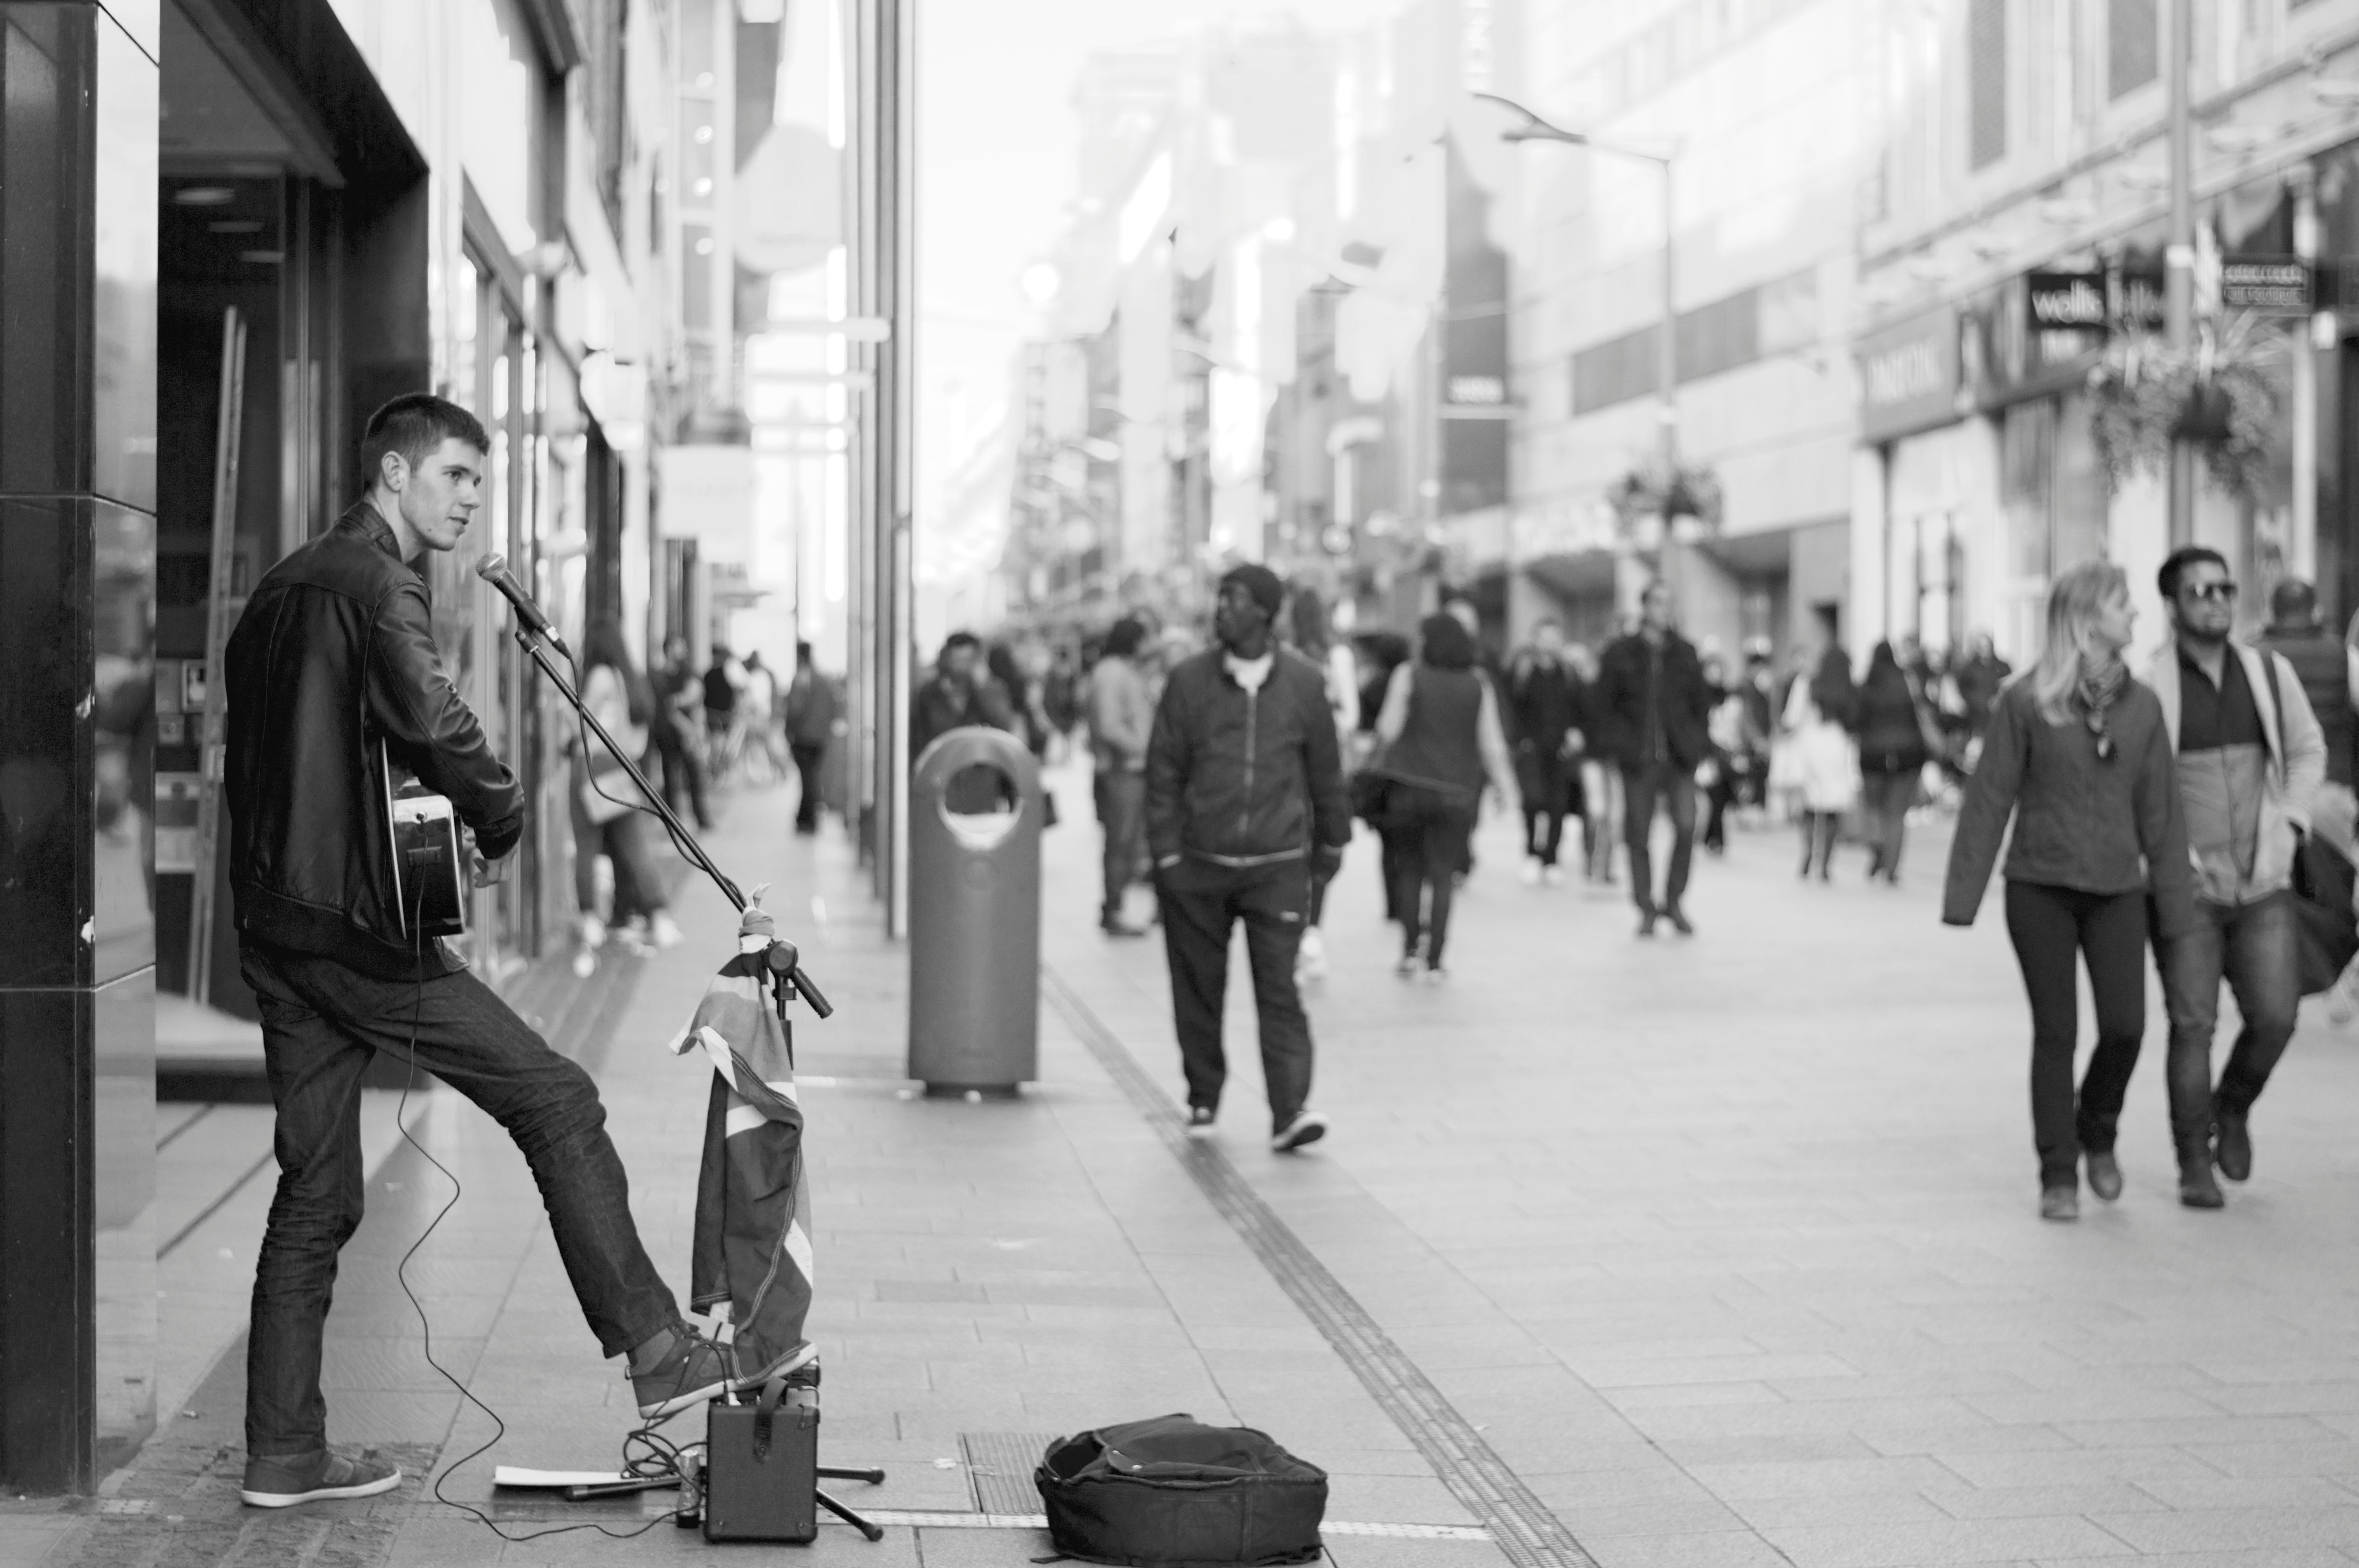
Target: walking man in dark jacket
x: 1654, y: 704
x: 1243, y: 781
x: 331, y: 672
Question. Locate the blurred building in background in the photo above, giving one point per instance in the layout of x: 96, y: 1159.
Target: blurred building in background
x: 2011, y: 253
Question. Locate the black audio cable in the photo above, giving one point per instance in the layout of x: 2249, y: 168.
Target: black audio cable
x: 661, y: 1457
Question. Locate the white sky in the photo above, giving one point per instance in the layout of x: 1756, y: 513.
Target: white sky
x: 996, y: 154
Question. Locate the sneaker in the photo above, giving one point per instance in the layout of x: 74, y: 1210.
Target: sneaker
x: 283, y: 1481
x: 591, y: 931
x: 1529, y: 875
x: 1552, y: 875
x: 1435, y: 974
x: 2104, y: 1174
x: 585, y: 963
x: 1679, y: 919
x: 2059, y: 1202
x: 664, y: 929
x: 1200, y: 1121
x: 691, y: 1371
x: 1406, y: 966
x: 1308, y: 1127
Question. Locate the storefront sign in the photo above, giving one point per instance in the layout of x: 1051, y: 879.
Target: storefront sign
x: 1909, y: 376
x: 2267, y: 286
x: 2067, y: 301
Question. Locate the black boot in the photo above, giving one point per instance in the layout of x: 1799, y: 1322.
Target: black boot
x: 2198, y: 1188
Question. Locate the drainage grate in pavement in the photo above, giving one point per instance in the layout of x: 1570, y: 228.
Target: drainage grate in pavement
x: 1527, y: 1532
x: 999, y: 1467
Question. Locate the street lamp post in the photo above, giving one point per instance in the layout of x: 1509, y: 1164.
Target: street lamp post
x: 2179, y: 258
x: 1530, y: 127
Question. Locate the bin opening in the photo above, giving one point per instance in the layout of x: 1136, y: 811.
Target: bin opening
x: 980, y: 805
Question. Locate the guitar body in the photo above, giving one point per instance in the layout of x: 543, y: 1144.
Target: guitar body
x: 429, y: 858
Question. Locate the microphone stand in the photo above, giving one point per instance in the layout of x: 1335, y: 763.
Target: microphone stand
x: 783, y: 961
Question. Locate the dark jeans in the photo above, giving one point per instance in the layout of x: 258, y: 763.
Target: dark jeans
x: 1886, y: 798
x: 1674, y: 786
x: 683, y: 774
x: 322, y: 1022
x: 808, y: 755
x: 2255, y: 948
x: 1201, y: 903
x: 1427, y: 831
x: 1121, y: 811
x: 1543, y: 834
x: 2052, y: 928
x: 623, y: 840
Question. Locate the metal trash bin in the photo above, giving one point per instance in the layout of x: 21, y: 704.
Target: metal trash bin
x: 974, y: 921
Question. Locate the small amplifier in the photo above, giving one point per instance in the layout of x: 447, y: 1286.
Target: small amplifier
x: 761, y: 1466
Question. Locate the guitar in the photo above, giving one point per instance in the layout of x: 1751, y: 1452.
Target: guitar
x: 429, y: 856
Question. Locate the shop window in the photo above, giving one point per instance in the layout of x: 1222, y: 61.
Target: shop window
x: 2131, y: 56
x: 1985, y: 82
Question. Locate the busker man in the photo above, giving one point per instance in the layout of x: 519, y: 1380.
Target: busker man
x: 2251, y: 758
x: 333, y: 657
x: 1120, y: 720
x: 1243, y: 779
x: 1654, y: 706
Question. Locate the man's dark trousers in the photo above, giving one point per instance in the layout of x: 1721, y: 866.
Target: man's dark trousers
x: 808, y: 755
x: 2255, y: 948
x: 1121, y: 812
x: 1642, y: 787
x: 322, y: 1022
x: 1201, y: 902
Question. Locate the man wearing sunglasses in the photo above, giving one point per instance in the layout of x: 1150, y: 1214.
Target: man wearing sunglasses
x: 2251, y: 758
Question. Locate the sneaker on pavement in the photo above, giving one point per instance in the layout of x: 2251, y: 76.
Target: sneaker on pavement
x: 1552, y: 875
x: 1308, y: 1127
x: 1679, y: 919
x: 1435, y: 974
x: 286, y: 1480
x: 1406, y: 966
x: 1530, y: 874
x: 2059, y: 1202
x: 1202, y: 1120
x: 1116, y: 925
x: 691, y: 1372
x: 664, y: 929
x: 1310, y: 957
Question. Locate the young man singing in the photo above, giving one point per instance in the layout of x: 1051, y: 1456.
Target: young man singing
x: 334, y: 658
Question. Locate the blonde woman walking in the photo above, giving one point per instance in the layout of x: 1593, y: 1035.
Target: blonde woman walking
x: 2078, y: 754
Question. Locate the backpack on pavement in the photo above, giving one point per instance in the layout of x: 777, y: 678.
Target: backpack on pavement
x: 1170, y: 1492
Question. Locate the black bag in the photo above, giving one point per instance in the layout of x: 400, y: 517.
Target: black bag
x: 2323, y: 880
x: 2329, y: 930
x: 1171, y: 1492
x: 1369, y: 791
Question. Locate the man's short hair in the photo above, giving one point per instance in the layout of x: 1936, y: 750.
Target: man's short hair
x: 2175, y: 564
x: 414, y: 425
x: 957, y: 640
x: 1125, y: 637
x: 2293, y: 603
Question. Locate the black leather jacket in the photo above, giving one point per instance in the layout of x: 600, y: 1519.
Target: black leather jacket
x: 334, y: 652
x: 1682, y: 702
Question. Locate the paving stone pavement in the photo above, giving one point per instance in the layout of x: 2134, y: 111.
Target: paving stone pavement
x: 1727, y: 1247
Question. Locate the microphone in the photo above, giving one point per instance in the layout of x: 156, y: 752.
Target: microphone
x: 493, y: 569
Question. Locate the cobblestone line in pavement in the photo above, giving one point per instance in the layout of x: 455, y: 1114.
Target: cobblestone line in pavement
x: 1524, y: 1529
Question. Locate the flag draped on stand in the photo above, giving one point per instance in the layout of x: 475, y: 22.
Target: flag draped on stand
x: 752, y: 1259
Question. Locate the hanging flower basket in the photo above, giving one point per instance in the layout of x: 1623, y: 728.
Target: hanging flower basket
x: 2226, y: 398
x: 1653, y: 488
